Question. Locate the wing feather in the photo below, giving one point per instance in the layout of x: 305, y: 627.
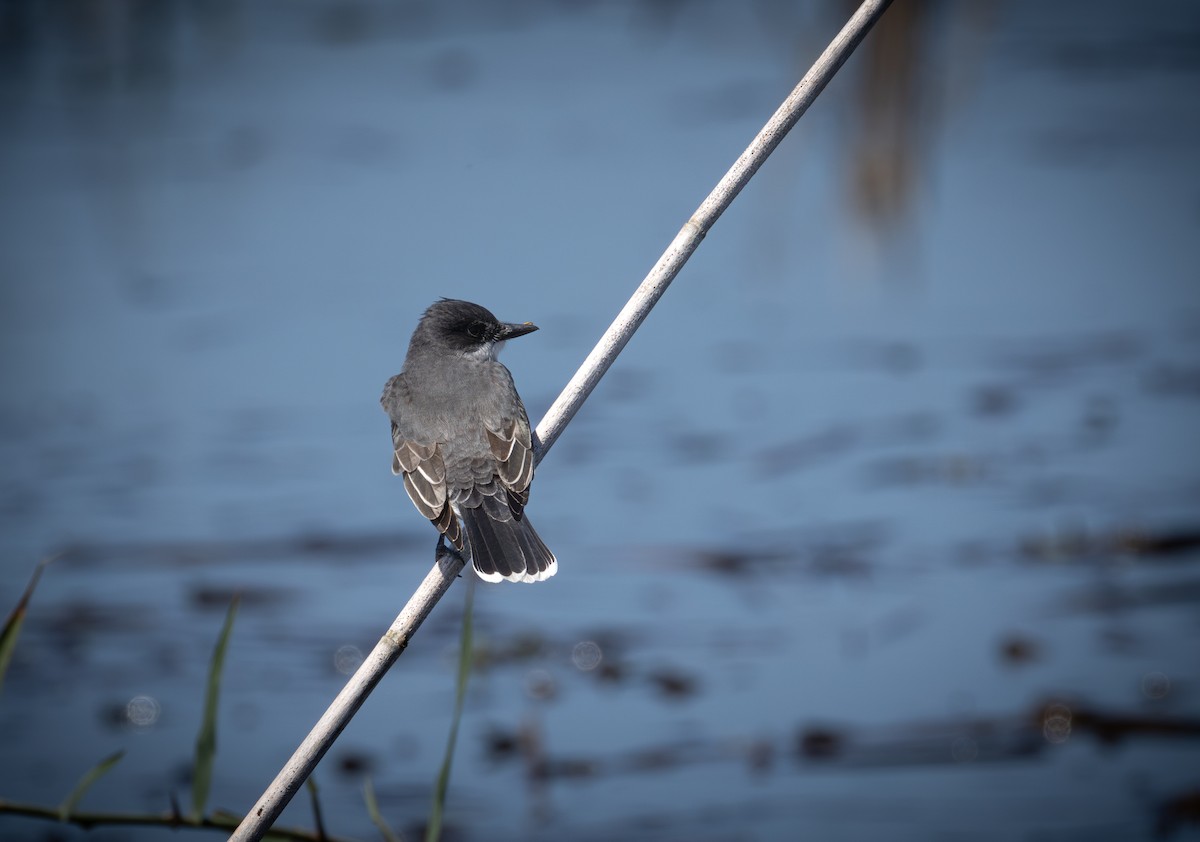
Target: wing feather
x: 424, y: 472
x: 514, y: 454
x: 497, y: 486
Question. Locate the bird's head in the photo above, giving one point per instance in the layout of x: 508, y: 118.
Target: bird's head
x: 467, y: 329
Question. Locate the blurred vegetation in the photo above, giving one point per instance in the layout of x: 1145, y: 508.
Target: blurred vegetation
x: 201, y: 773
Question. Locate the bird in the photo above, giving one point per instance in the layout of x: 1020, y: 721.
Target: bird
x: 461, y: 440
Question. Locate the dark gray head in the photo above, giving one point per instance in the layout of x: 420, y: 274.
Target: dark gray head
x: 465, y: 328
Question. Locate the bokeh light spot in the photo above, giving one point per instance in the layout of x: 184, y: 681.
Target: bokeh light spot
x: 1056, y: 723
x: 347, y: 659
x: 586, y: 655
x: 1155, y: 685
x: 143, y: 711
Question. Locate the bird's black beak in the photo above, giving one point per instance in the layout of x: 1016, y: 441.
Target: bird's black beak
x: 512, y: 331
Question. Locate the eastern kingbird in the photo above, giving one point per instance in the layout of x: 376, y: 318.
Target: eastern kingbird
x: 461, y: 438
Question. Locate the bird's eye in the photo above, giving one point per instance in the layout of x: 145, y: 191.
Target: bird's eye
x: 476, y: 330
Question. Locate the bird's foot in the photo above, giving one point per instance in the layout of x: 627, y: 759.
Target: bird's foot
x: 445, y: 555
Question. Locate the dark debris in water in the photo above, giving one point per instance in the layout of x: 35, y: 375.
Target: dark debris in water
x: 611, y: 672
x: 696, y: 447
x: 1181, y: 544
x: 956, y: 469
x: 353, y: 764
x: 671, y: 756
x: 1163, y: 544
x: 541, y: 686
x: 1173, y: 380
x: 212, y: 597
x: 450, y: 832
x: 1017, y: 650
x: 673, y: 684
x: 838, y: 440
x: 994, y: 400
x: 841, y: 552
x: 1058, y: 356
x: 339, y: 547
x: 1109, y: 597
x: 839, y: 561
x: 1109, y: 726
x: 599, y: 656
x: 1100, y: 418
x: 114, y: 715
x: 526, y: 746
x: 1014, y: 738
x: 819, y: 743
x: 71, y: 626
x: 807, y: 451
x: 501, y: 745
x: 736, y: 562
x: 521, y: 648
x: 1177, y: 812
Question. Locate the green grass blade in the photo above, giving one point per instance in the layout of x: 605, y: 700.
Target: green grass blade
x: 373, y: 811
x: 12, y: 626
x: 94, y: 774
x: 206, y: 739
x: 318, y: 820
x: 433, y: 830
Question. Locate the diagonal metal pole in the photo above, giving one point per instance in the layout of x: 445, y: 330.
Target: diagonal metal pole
x: 289, y: 780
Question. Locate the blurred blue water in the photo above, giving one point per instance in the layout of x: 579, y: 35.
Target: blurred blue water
x: 851, y: 489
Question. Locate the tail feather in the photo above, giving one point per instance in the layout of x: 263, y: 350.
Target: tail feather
x: 506, y: 549
x: 492, y: 546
